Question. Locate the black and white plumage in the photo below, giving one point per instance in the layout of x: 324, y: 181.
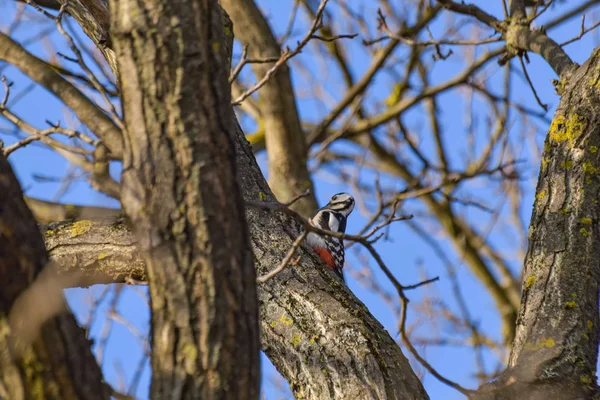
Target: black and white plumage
x: 331, y: 217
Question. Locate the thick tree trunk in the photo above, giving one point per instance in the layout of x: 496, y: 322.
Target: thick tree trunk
x: 42, y: 356
x: 179, y: 187
x: 556, y: 346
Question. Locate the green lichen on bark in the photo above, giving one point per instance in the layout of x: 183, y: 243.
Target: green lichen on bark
x: 567, y: 129
x: 530, y: 281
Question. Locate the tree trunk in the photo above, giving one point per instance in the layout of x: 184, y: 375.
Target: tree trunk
x: 42, y: 356
x: 556, y: 346
x: 179, y: 188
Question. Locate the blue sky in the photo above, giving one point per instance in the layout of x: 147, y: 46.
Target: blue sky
x: 407, y: 255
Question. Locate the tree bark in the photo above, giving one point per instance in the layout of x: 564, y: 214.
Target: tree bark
x: 99, y: 251
x: 318, y: 335
x: 179, y: 188
x: 555, y: 351
x: 42, y: 356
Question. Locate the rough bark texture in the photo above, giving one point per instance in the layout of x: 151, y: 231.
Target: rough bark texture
x: 96, y: 251
x: 180, y: 190
x: 556, y: 346
x: 285, y: 139
x: 320, y: 337
x: 59, y: 363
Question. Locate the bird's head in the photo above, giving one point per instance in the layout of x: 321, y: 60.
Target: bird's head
x: 342, y: 203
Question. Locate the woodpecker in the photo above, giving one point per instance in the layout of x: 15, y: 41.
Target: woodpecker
x: 331, y: 217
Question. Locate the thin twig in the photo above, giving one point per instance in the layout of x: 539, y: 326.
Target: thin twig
x: 116, y: 394
x: 107, y: 327
x: 287, y: 54
x: 137, y: 376
x: 334, y: 38
x: 416, y: 354
x: 7, y: 86
x: 274, y: 206
x: 390, y: 35
x: 544, y: 106
x: 505, y: 7
x: 583, y: 31
x: 141, y: 338
x: 78, y: 57
x: 245, y: 60
x: 287, y: 260
x: 291, y: 21
x: 306, y: 193
x: 318, y: 154
x: 473, y: 10
x: 543, y: 10
x: 422, y: 283
x: 39, y: 135
x: 238, y: 68
x: 93, y: 313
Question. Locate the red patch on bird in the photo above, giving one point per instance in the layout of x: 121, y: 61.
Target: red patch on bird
x: 326, y: 256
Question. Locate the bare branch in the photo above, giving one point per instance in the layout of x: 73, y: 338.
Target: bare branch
x: 45, y: 75
x: 473, y: 10
x: 375, y: 67
x: 416, y: 354
x: 569, y: 14
x: 80, y: 61
x: 583, y: 31
x: 405, y: 104
x: 537, y: 98
x: 244, y: 60
x: 383, y: 26
x: 100, y: 177
x: 296, y: 198
x: 333, y: 38
x: 287, y: 54
x: 521, y: 38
